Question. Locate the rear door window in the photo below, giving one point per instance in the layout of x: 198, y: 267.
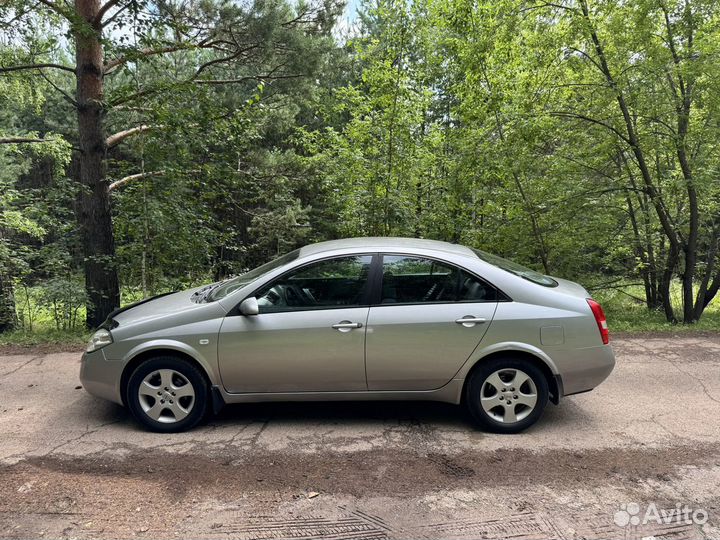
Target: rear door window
x: 412, y: 280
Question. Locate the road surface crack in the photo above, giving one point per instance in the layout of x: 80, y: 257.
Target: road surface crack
x: 87, y: 432
x: 2, y: 375
x: 702, y: 384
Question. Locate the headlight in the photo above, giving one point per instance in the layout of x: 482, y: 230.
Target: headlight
x: 100, y: 339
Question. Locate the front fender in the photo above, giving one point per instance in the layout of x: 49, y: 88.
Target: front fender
x: 207, y: 361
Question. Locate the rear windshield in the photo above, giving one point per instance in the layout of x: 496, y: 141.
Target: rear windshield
x: 517, y: 269
x: 231, y: 285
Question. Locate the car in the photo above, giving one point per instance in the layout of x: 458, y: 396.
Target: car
x: 356, y: 319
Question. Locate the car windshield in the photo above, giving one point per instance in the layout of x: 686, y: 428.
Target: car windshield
x: 224, y: 288
x: 515, y: 268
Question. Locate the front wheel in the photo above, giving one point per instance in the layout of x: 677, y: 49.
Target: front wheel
x: 167, y: 394
x: 506, y: 394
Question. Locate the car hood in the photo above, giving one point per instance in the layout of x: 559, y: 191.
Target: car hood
x: 154, y: 307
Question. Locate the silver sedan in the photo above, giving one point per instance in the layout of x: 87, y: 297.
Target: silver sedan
x: 357, y: 319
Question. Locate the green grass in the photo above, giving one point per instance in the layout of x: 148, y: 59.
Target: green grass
x: 44, y: 331
x: 44, y: 336
x: 625, y: 314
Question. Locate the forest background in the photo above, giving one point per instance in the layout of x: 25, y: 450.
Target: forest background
x: 149, y: 146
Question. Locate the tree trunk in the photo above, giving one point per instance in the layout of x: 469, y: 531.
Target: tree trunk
x: 8, y: 317
x: 654, y: 194
x: 689, y: 314
x: 713, y: 289
x: 666, y: 281
x: 705, y: 292
x: 94, y: 217
x: 683, y: 94
x: 644, y: 245
x: 640, y: 253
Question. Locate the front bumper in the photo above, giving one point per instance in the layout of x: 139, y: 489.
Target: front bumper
x: 101, y: 377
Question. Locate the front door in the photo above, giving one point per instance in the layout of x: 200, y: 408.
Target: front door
x: 309, y: 335
x: 431, y: 317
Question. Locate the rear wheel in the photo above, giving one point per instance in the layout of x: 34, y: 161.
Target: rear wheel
x: 167, y: 394
x: 506, y: 394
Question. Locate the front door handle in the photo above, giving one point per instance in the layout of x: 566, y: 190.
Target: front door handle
x: 469, y: 321
x: 345, y: 326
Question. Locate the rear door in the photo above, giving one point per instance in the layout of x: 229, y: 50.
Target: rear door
x: 430, y: 317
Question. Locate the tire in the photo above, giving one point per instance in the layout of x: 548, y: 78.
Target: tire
x: 174, y: 396
x: 497, y: 378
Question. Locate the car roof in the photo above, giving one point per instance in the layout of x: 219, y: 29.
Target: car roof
x: 385, y: 244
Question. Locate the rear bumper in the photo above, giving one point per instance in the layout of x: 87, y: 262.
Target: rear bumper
x: 101, y: 377
x: 588, y: 368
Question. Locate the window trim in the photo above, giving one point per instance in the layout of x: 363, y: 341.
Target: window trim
x: 501, y: 296
x: 366, y: 297
x: 373, y: 293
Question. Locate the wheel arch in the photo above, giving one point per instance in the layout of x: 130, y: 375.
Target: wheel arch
x: 545, y: 365
x: 147, y: 354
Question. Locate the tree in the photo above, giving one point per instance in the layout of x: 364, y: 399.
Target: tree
x: 116, y: 37
x: 577, y: 136
x: 22, y: 220
x: 667, y: 51
x: 615, y: 100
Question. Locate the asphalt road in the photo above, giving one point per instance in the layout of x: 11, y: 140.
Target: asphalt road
x: 73, y: 466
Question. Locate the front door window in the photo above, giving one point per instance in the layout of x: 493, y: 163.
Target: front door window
x: 332, y: 283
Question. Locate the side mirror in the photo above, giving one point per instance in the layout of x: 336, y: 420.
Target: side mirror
x: 249, y: 306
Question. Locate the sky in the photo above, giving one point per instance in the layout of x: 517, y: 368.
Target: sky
x: 344, y: 26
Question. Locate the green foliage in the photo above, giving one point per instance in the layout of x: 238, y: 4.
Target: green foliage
x: 497, y: 124
x: 22, y: 219
x: 59, y: 302
x: 628, y: 314
x: 508, y: 126
x: 64, y: 298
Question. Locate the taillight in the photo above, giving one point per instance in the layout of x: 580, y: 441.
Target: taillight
x: 600, y: 320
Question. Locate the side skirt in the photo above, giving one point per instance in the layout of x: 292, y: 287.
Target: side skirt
x: 450, y: 393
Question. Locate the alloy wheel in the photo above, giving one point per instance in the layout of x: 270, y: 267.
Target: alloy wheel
x: 166, y: 396
x: 508, y: 395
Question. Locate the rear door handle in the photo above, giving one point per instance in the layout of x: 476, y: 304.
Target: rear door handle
x: 346, y: 325
x: 468, y: 320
